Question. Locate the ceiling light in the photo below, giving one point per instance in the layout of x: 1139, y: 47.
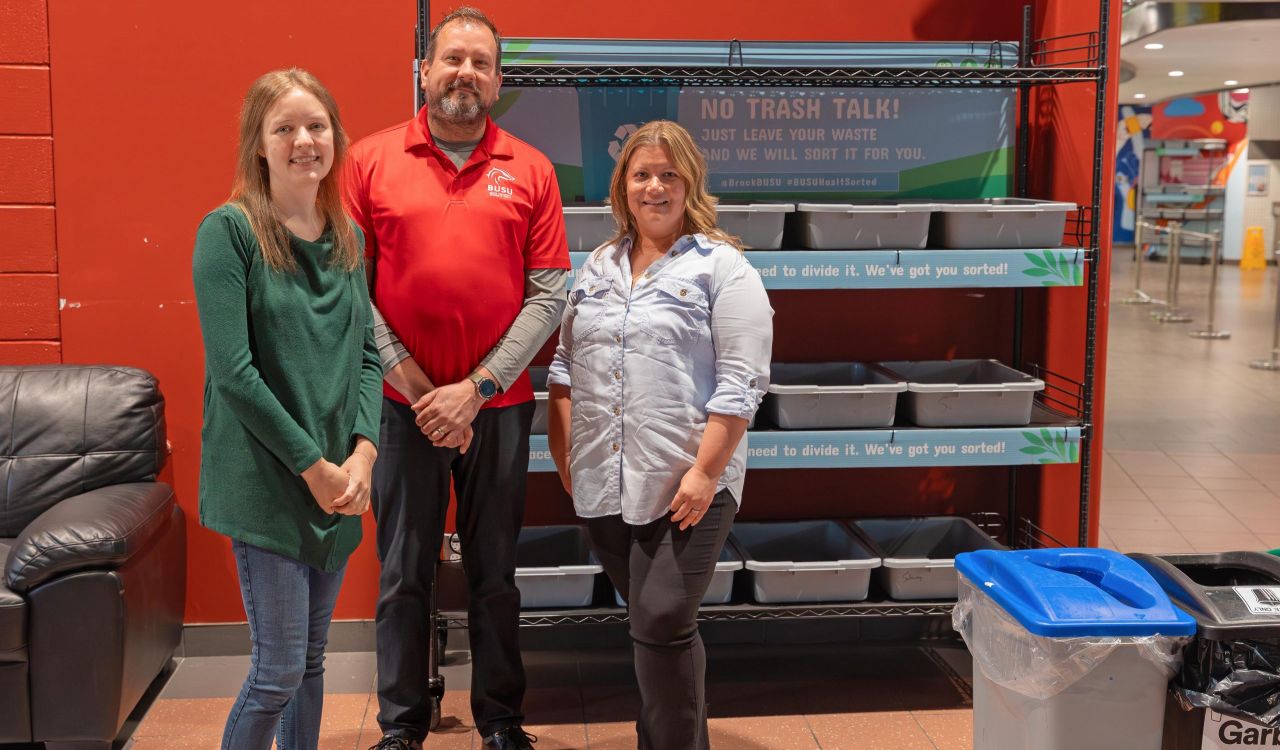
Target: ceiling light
x: 1153, y: 45
x: 1231, y: 83
x: 1176, y: 74
x: 1244, y: 90
x: 1139, y: 96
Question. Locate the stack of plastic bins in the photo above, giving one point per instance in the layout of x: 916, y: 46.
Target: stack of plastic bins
x: 805, y: 561
x: 1230, y: 677
x: 966, y: 393
x: 588, y: 226
x: 758, y: 225
x: 864, y: 226
x: 999, y: 223
x: 555, y: 567
x: 540, y: 399
x: 721, y: 587
x: 918, y: 554
x: 825, y: 395
x: 1072, y: 649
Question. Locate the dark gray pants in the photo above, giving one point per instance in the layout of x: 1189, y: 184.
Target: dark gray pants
x: 663, y: 573
x: 410, y: 497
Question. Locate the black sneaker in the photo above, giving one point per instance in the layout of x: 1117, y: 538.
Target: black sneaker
x: 510, y: 738
x: 396, y: 742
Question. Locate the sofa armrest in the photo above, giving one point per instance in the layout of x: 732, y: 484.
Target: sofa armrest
x: 101, y: 528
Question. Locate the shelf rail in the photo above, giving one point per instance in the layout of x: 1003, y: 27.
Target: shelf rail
x: 1066, y: 58
x: 525, y: 74
x: 1062, y: 395
x: 1080, y: 228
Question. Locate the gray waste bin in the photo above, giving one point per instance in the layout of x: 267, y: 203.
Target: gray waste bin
x: 1227, y: 694
x: 541, y: 399
x: 918, y: 554
x: 831, y: 395
x: 1072, y: 649
x: 804, y: 561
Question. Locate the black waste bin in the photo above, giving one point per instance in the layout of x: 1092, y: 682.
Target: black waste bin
x: 1228, y: 691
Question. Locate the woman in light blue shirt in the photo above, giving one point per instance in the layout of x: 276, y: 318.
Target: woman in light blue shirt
x: 662, y: 360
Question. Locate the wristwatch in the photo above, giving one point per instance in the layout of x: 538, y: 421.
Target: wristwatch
x: 486, y: 387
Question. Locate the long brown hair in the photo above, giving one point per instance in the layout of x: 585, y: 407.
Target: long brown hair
x: 699, y: 204
x: 251, y: 190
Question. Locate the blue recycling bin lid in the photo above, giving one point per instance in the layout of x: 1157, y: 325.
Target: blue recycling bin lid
x: 1064, y: 593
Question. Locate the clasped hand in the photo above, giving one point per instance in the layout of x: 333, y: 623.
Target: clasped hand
x: 693, y: 498
x: 345, y: 489
x: 445, y: 414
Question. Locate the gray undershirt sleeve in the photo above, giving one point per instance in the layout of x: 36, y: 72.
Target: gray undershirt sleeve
x: 390, y: 350
x: 544, y: 303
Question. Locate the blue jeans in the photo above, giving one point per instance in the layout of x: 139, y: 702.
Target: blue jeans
x: 289, y: 606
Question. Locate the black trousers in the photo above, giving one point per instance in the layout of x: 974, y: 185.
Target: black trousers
x: 663, y: 573
x: 410, y: 497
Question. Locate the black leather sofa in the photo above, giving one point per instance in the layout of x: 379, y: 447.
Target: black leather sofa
x: 94, y: 552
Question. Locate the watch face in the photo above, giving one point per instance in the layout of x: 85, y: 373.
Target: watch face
x: 488, y: 388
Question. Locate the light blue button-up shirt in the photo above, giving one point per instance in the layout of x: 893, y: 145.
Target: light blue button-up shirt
x: 647, y: 363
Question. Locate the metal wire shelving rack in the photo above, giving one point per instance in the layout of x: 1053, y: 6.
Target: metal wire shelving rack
x: 1074, y: 59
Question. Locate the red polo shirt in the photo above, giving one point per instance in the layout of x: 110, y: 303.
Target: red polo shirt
x: 451, y: 246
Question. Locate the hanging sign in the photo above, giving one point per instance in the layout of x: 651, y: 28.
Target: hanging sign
x: 783, y: 142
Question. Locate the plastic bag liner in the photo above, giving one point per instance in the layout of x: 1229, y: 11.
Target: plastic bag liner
x: 1036, y: 666
x: 1239, y: 678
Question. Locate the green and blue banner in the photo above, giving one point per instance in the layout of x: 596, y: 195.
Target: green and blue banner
x: 783, y: 142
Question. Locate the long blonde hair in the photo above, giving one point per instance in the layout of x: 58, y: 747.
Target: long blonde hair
x: 251, y: 190
x: 699, y: 204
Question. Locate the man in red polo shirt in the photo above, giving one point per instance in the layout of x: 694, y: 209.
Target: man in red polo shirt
x: 466, y: 246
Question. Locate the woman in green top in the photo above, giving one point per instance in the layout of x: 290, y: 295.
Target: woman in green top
x: 292, y: 397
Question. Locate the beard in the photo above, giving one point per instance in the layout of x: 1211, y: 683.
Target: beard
x: 449, y: 109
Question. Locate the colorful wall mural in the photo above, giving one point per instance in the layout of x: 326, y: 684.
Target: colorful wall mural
x: 1134, y: 130
x: 1219, y: 115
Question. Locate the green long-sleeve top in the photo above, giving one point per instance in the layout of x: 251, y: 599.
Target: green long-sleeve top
x: 291, y: 375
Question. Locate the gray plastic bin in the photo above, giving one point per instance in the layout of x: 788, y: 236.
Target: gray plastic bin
x: 918, y: 554
x: 555, y: 567
x: 721, y: 587
x: 540, y: 399
x: 864, y: 226
x: 999, y: 223
x: 805, y: 561
x: 758, y: 225
x: 965, y: 393
x: 588, y: 226
x: 831, y: 395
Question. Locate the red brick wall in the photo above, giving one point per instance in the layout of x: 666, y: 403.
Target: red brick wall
x: 29, y: 326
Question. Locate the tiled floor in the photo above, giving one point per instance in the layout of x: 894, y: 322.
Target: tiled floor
x: 1193, y: 463
x: 1192, y: 434
x: 761, y: 698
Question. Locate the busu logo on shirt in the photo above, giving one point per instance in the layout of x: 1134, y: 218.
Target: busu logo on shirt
x: 496, y: 179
